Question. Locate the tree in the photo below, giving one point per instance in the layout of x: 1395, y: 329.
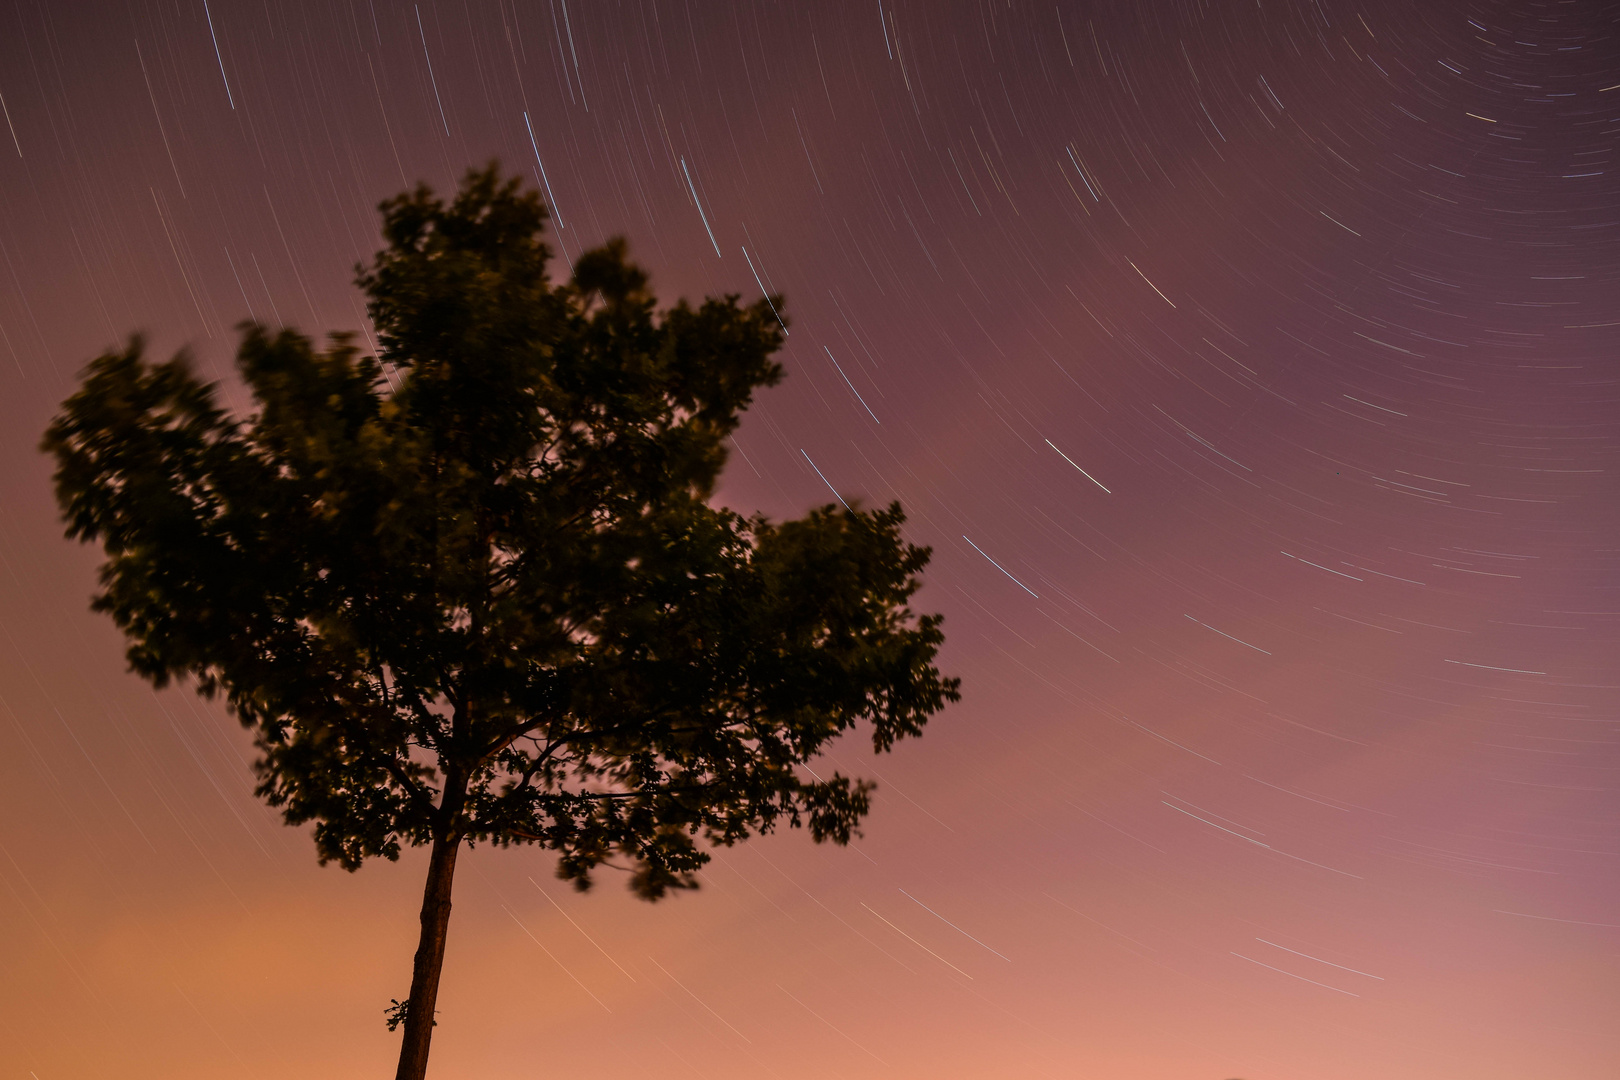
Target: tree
x: 474, y: 589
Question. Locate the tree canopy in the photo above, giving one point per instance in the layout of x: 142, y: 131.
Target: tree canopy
x: 474, y: 588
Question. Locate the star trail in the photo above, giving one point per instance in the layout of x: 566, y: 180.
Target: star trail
x: 1267, y: 350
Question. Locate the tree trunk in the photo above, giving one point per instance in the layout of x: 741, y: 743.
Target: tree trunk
x: 413, y: 1054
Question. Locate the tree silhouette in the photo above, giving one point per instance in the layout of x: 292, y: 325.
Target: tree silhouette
x: 474, y: 589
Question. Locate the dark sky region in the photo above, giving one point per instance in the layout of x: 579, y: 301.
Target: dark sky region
x: 1250, y: 366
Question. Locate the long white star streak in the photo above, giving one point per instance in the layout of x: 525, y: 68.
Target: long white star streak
x: 917, y: 943
x: 826, y: 481
x: 1291, y: 975
x: 228, y: 95
x: 1319, y: 960
x: 581, y: 929
x: 551, y: 198
x: 431, y: 77
x: 952, y: 925
x: 830, y: 1024
x: 1071, y: 461
x: 699, y: 203
x: 851, y: 386
x: 553, y: 957
x: 700, y: 1001
x: 1003, y: 569
x: 10, y: 126
x: 766, y: 293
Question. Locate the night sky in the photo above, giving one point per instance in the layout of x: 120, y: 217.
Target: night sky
x: 1250, y: 367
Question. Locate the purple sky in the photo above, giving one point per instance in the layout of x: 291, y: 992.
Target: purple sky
x: 1250, y: 367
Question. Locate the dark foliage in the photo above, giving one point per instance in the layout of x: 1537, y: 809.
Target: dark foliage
x: 474, y: 589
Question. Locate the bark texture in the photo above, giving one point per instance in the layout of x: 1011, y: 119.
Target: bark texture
x: 413, y: 1054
